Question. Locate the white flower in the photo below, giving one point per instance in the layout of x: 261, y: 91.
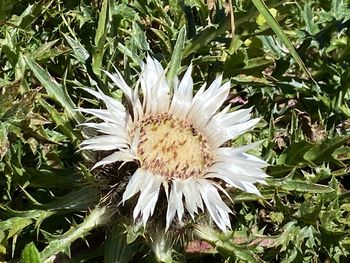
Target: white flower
x: 176, y: 141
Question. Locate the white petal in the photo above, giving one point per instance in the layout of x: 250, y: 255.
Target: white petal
x: 104, y: 115
x: 154, y: 70
x: 160, y: 95
x: 241, y: 171
x: 225, y: 120
x: 243, y: 160
x: 232, y: 132
x: 163, y: 95
x: 237, y: 150
x: 135, y: 184
x: 135, y: 142
x: 234, y: 180
x: 198, y: 94
x: 217, y: 208
x: 114, y: 106
x: 251, y: 188
x: 107, y: 128
x: 104, y: 143
x: 175, y: 204
x: 148, y: 197
x: 182, y: 98
x: 206, y: 104
x: 120, y: 82
x: 121, y: 156
x: 137, y: 109
x: 211, y: 106
x: 131, y: 96
x: 192, y: 195
x: 254, y: 159
x: 104, y: 147
x: 146, y: 91
x: 151, y: 73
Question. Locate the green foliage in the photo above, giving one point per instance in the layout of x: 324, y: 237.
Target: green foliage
x: 291, y: 63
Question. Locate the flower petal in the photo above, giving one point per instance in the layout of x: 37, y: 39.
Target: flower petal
x: 192, y: 195
x: 114, y: 106
x: 217, y: 208
x: 232, y: 132
x: 175, y: 204
x: 148, y: 197
x: 135, y: 184
x: 120, y: 83
x: 104, y: 143
x: 121, y: 156
x: 224, y: 120
x: 108, y: 128
x: 208, y: 103
x: 182, y: 98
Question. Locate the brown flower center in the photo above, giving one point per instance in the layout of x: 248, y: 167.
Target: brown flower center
x: 172, y: 147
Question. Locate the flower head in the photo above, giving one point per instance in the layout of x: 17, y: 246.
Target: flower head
x: 176, y: 142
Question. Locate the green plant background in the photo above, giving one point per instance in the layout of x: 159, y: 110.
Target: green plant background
x: 289, y: 61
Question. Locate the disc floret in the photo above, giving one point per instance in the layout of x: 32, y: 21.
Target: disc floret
x: 172, y: 147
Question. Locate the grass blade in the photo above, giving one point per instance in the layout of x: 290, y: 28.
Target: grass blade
x: 271, y: 21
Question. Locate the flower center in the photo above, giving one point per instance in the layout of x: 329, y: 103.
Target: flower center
x: 172, y: 147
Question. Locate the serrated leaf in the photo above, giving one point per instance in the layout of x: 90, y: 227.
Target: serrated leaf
x: 78, y: 50
x: 323, y: 152
x: 299, y: 186
x: 51, y: 178
x: 15, y: 225
x: 62, y: 122
x: 4, y: 143
x: 294, y: 155
x: 42, y: 51
x: 56, y: 91
x: 222, y: 243
x: 30, y: 254
x: 97, y: 217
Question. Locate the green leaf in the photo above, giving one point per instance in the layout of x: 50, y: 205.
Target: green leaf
x: 6, y: 6
x: 15, y: 225
x: 323, y: 152
x: 242, y: 197
x: 175, y: 63
x: 225, y: 244
x: 56, y: 91
x: 62, y: 122
x: 79, y: 51
x: 47, y: 177
x: 30, y: 254
x: 117, y: 250
x: 76, y: 200
x: 260, y: 20
x: 204, y: 38
x: 126, y: 51
x: 4, y: 143
x: 100, y: 38
x: 299, y: 186
x: 44, y: 49
x: 294, y: 155
x: 271, y: 21
x: 97, y: 217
